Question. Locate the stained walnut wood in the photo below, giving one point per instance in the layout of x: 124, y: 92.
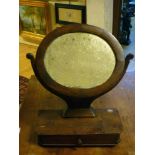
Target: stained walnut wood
x: 121, y: 97
x: 102, y: 130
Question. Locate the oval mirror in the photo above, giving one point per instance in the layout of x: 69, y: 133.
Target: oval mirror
x: 79, y: 60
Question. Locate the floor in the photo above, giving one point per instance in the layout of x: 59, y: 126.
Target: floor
x: 25, y: 68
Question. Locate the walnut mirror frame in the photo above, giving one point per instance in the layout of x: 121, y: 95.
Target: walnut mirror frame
x: 78, y: 98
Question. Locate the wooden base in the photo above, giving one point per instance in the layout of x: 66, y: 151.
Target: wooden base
x: 54, y: 130
x: 79, y: 113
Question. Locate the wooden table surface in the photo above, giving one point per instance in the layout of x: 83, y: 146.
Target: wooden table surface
x: 121, y: 97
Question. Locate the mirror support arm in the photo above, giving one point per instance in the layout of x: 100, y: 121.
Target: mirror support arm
x: 30, y: 56
x: 127, y: 61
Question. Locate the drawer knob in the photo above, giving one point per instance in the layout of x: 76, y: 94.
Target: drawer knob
x: 80, y: 142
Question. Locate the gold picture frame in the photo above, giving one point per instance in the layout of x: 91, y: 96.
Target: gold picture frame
x: 34, y: 20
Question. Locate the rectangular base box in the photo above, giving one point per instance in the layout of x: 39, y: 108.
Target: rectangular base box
x: 54, y: 130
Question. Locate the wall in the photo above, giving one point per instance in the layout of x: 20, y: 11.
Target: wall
x: 100, y: 13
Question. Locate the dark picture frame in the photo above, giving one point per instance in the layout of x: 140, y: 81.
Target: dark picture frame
x: 70, y: 8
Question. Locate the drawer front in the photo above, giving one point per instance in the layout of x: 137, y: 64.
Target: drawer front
x: 79, y: 140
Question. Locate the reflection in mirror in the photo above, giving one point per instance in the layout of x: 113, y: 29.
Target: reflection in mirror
x: 79, y: 60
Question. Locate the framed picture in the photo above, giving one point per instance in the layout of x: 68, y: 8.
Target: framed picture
x: 35, y: 21
x: 67, y: 13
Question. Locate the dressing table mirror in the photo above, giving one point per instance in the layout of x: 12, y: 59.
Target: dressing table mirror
x: 79, y: 63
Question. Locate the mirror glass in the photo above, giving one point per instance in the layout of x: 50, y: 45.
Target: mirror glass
x: 79, y: 60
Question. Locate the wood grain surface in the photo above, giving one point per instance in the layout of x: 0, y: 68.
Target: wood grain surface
x: 121, y: 97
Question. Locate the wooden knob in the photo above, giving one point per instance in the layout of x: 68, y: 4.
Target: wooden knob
x: 80, y: 142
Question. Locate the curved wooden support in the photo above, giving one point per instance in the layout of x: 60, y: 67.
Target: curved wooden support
x: 127, y: 61
x: 30, y: 56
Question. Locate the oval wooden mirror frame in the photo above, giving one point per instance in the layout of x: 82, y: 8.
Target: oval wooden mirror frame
x: 77, y: 97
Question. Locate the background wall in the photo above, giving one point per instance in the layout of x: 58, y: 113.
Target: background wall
x: 100, y: 13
